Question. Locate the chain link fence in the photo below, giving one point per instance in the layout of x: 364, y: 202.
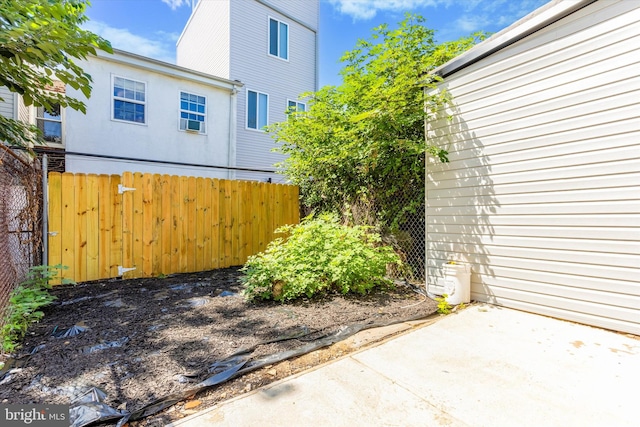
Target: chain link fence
x: 20, y: 220
x: 406, y: 234
x: 408, y: 240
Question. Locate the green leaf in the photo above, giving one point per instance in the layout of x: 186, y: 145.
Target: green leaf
x: 360, y: 145
x: 46, y: 35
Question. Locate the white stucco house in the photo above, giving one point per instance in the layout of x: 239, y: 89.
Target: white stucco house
x: 272, y: 47
x: 143, y: 116
x: 542, y: 193
x: 170, y: 117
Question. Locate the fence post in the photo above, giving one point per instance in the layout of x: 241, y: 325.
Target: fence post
x: 45, y: 210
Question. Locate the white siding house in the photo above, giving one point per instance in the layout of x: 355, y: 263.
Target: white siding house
x: 7, y: 105
x: 271, y: 46
x: 169, y: 118
x: 542, y: 192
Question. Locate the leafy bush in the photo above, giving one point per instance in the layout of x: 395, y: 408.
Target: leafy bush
x: 25, y: 303
x: 318, y: 256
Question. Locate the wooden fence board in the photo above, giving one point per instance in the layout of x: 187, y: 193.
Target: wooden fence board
x: 165, y: 246
x: 160, y: 224
x: 128, y: 218
x: 199, y: 223
x: 156, y: 235
x: 255, y: 218
x: 270, y: 205
x: 245, y: 239
x: 80, y: 259
x: 175, y: 241
x: 136, y: 231
x: 228, y: 223
x: 191, y: 225
x: 183, y: 221
x: 67, y: 230
x: 93, y: 227
x: 105, y: 226
x: 147, y: 225
x: 116, y: 258
x: 215, y: 223
x: 207, y: 225
x: 55, y: 222
x: 236, y: 223
x: 264, y: 217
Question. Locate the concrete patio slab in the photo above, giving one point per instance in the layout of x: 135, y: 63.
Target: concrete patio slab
x: 483, y: 366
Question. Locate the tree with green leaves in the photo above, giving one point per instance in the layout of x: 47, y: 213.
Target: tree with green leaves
x: 361, y: 144
x: 39, y: 43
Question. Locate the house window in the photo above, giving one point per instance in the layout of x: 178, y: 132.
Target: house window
x: 193, y: 110
x: 49, y: 121
x: 295, y: 107
x: 278, y: 39
x: 129, y: 100
x: 257, y: 110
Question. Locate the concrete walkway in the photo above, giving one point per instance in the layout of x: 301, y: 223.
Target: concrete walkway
x: 483, y: 366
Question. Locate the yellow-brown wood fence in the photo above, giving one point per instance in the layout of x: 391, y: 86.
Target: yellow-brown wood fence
x: 102, y: 225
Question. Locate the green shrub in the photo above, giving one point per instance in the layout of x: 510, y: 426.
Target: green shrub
x: 25, y: 303
x: 318, y: 256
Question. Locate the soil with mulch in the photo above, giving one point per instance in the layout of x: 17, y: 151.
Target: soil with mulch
x: 139, y: 340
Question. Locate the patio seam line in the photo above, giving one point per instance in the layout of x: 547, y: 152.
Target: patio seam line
x: 406, y: 388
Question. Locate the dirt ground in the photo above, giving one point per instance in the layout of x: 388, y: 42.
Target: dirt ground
x: 140, y: 340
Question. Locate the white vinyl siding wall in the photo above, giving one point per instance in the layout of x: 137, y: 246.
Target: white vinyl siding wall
x: 204, y: 43
x: 7, y: 108
x: 230, y: 38
x: 542, y: 194
x: 259, y: 71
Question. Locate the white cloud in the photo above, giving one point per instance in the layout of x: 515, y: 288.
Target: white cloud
x: 174, y: 4
x: 367, y: 9
x: 161, y: 48
x: 480, y: 15
x: 170, y: 37
x: 476, y: 12
x: 471, y: 23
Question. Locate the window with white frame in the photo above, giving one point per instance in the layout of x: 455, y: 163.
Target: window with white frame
x: 193, y: 112
x: 257, y: 110
x: 278, y: 39
x: 295, y: 106
x: 49, y: 121
x: 129, y: 100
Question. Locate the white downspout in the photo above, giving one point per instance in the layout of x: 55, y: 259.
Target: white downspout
x: 231, y: 149
x: 426, y: 194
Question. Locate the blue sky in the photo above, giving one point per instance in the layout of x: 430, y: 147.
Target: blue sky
x: 152, y: 27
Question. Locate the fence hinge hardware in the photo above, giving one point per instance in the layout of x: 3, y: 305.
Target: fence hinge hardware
x: 122, y: 270
x: 122, y: 189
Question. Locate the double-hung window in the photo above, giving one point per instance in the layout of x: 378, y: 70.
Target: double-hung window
x: 193, y: 111
x: 129, y: 100
x: 278, y: 39
x: 295, y: 106
x: 49, y: 121
x: 257, y: 110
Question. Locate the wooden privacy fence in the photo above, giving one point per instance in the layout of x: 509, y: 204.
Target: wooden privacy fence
x: 145, y: 225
